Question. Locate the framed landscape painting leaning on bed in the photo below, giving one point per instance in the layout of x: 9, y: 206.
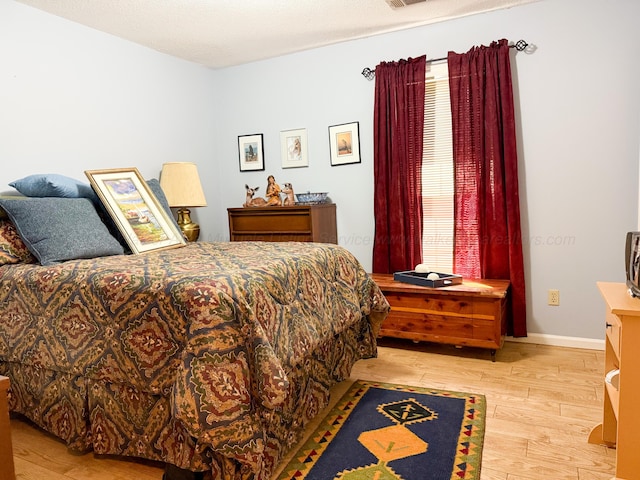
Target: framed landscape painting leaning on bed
x: 135, y: 210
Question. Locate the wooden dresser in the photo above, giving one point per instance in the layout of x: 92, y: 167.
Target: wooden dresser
x: 620, y: 420
x: 469, y: 314
x: 298, y: 223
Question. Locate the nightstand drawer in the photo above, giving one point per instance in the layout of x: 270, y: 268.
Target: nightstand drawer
x: 613, y: 332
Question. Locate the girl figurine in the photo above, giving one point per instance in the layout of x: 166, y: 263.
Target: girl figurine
x: 273, y: 192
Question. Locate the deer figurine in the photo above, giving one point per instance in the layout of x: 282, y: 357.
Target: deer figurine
x: 253, y: 202
x: 287, y: 189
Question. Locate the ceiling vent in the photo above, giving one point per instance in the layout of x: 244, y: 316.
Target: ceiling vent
x: 402, y: 3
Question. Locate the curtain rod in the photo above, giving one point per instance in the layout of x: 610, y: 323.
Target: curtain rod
x: 369, y: 74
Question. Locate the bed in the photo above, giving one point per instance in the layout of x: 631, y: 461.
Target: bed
x: 211, y: 357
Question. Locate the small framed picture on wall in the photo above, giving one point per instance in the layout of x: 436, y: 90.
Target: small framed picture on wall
x: 344, y: 143
x: 251, y: 152
x: 293, y: 145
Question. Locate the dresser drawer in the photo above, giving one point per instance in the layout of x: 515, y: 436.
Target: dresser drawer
x: 272, y: 222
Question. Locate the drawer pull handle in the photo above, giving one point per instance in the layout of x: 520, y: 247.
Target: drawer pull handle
x: 608, y: 325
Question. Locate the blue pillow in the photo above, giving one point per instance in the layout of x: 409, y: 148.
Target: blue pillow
x: 54, y: 185
x: 156, y: 189
x: 60, y: 229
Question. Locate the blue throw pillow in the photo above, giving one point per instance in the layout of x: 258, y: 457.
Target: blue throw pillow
x: 54, y: 185
x: 156, y: 189
x: 60, y: 229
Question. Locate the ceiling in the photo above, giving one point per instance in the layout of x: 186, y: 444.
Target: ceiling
x: 222, y: 33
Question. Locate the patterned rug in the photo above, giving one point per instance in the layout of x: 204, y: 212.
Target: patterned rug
x: 385, y: 431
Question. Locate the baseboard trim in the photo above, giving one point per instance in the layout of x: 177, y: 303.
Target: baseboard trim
x: 560, y: 341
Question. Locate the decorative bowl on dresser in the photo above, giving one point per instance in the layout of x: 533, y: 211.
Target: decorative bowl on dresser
x: 472, y: 313
x: 296, y: 223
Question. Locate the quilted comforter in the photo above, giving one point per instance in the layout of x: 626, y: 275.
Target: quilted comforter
x: 211, y: 357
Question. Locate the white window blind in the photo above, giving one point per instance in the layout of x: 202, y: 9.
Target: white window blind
x: 437, y: 172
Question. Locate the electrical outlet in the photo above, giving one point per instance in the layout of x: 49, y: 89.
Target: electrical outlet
x: 554, y: 297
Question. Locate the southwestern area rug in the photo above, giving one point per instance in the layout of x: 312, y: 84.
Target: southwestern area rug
x: 386, y: 431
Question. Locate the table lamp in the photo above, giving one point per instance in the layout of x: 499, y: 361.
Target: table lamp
x: 181, y: 185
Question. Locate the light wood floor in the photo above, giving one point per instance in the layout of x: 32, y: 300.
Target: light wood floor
x: 542, y: 402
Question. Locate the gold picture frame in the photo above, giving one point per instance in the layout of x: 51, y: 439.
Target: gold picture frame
x: 142, y: 221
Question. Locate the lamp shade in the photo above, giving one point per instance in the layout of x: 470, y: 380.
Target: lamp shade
x: 181, y: 185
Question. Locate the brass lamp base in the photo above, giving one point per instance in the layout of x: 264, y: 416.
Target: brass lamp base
x: 189, y: 229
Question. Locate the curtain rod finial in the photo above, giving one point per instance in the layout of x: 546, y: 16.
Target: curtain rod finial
x: 368, y: 73
x: 521, y: 45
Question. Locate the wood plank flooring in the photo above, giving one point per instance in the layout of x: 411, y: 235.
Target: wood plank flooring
x: 542, y: 401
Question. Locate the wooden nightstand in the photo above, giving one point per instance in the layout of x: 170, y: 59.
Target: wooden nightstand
x: 620, y: 421
x: 298, y: 223
x: 6, y: 450
x: 471, y: 314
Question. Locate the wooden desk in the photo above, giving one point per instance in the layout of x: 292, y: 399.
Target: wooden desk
x: 470, y: 314
x: 7, y: 471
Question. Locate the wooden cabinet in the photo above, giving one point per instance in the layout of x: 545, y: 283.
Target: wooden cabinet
x: 470, y: 314
x: 620, y: 421
x: 298, y: 223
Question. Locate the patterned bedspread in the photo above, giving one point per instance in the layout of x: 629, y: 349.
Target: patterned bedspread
x: 210, y: 357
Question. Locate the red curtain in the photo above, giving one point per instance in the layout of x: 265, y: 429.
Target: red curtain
x: 398, y: 130
x: 487, y: 237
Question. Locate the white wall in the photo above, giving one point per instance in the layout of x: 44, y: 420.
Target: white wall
x: 578, y: 106
x: 73, y: 98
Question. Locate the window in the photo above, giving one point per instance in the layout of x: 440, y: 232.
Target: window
x: 437, y: 171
